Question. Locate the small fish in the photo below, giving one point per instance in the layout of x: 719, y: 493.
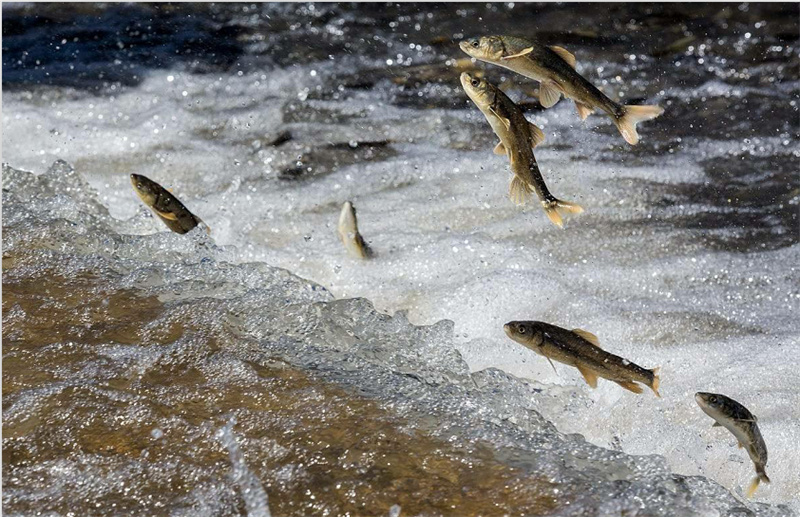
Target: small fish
x: 581, y: 349
x: 554, y: 68
x: 167, y: 207
x: 743, y: 424
x: 518, y: 137
x: 349, y: 235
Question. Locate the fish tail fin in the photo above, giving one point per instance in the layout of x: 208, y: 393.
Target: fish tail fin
x: 519, y: 191
x: 656, y: 381
x: 632, y: 115
x: 761, y: 476
x: 557, y: 209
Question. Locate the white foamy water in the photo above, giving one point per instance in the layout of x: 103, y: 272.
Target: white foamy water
x: 634, y: 268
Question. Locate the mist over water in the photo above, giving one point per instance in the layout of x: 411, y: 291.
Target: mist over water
x: 262, y: 371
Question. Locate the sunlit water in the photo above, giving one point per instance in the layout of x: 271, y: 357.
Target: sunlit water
x: 150, y: 372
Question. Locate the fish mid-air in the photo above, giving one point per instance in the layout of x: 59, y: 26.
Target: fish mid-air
x: 581, y: 349
x: 167, y: 207
x: 349, y: 235
x: 554, y: 68
x: 518, y: 137
x: 736, y: 418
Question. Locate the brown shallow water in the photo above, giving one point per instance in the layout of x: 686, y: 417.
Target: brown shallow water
x: 346, y: 455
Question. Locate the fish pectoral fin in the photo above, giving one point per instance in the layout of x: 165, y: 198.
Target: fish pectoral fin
x: 740, y: 445
x: 548, y: 94
x: 754, y: 419
x: 524, y: 52
x: 716, y: 424
x: 537, y: 135
x: 504, y: 120
x: 500, y: 149
x: 630, y: 386
x: 565, y: 55
x: 588, y: 336
x: 551, y: 364
x: 583, y: 110
x: 590, y: 376
x: 166, y: 215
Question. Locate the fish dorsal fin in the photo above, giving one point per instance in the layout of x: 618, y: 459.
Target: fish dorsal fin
x: 565, y: 55
x: 523, y: 52
x: 166, y: 215
x: 548, y: 94
x: 537, y: 135
x: 500, y: 149
x: 583, y: 110
x: 588, y: 336
x: 590, y: 376
x: 504, y: 120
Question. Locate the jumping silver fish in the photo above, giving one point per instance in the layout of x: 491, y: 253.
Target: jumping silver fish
x: 167, y: 207
x: 742, y: 423
x: 349, y: 235
x: 554, y: 68
x: 518, y: 137
x: 581, y: 349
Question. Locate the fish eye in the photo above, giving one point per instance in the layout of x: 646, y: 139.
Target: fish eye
x: 712, y: 399
x: 475, y: 82
x: 476, y: 43
x: 521, y: 329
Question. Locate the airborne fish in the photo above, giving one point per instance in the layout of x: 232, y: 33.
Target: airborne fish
x: 167, y: 207
x: 349, y: 234
x: 518, y: 137
x: 581, y: 349
x: 742, y: 423
x: 554, y: 68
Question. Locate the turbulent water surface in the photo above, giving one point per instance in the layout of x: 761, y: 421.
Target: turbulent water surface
x: 261, y: 371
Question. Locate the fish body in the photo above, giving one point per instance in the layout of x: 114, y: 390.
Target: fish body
x: 737, y: 419
x: 349, y: 235
x: 517, y: 137
x: 167, y: 207
x: 581, y: 349
x: 554, y: 68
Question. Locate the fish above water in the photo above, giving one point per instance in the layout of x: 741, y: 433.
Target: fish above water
x: 581, y: 349
x: 518, y: 137
x: 554, y: 68
x: 349, y: 235
x: 167, y: 207
x: 743, y: 424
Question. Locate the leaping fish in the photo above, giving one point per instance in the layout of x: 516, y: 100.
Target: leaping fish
x: 518, y: 137
x: 167, y: 207
x: 581, y: 349
x: 737, y: 419
x: 554, y: 68
x: 349, y: 235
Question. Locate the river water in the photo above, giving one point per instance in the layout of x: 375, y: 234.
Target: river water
x: 260, y: 370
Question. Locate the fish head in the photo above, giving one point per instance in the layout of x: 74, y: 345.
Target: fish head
x: 485, y: 48
x: 713, y: 404
x: 527, y: 333
x: 479, y: 90
x: 347, y: 218
x: 145, y: 188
